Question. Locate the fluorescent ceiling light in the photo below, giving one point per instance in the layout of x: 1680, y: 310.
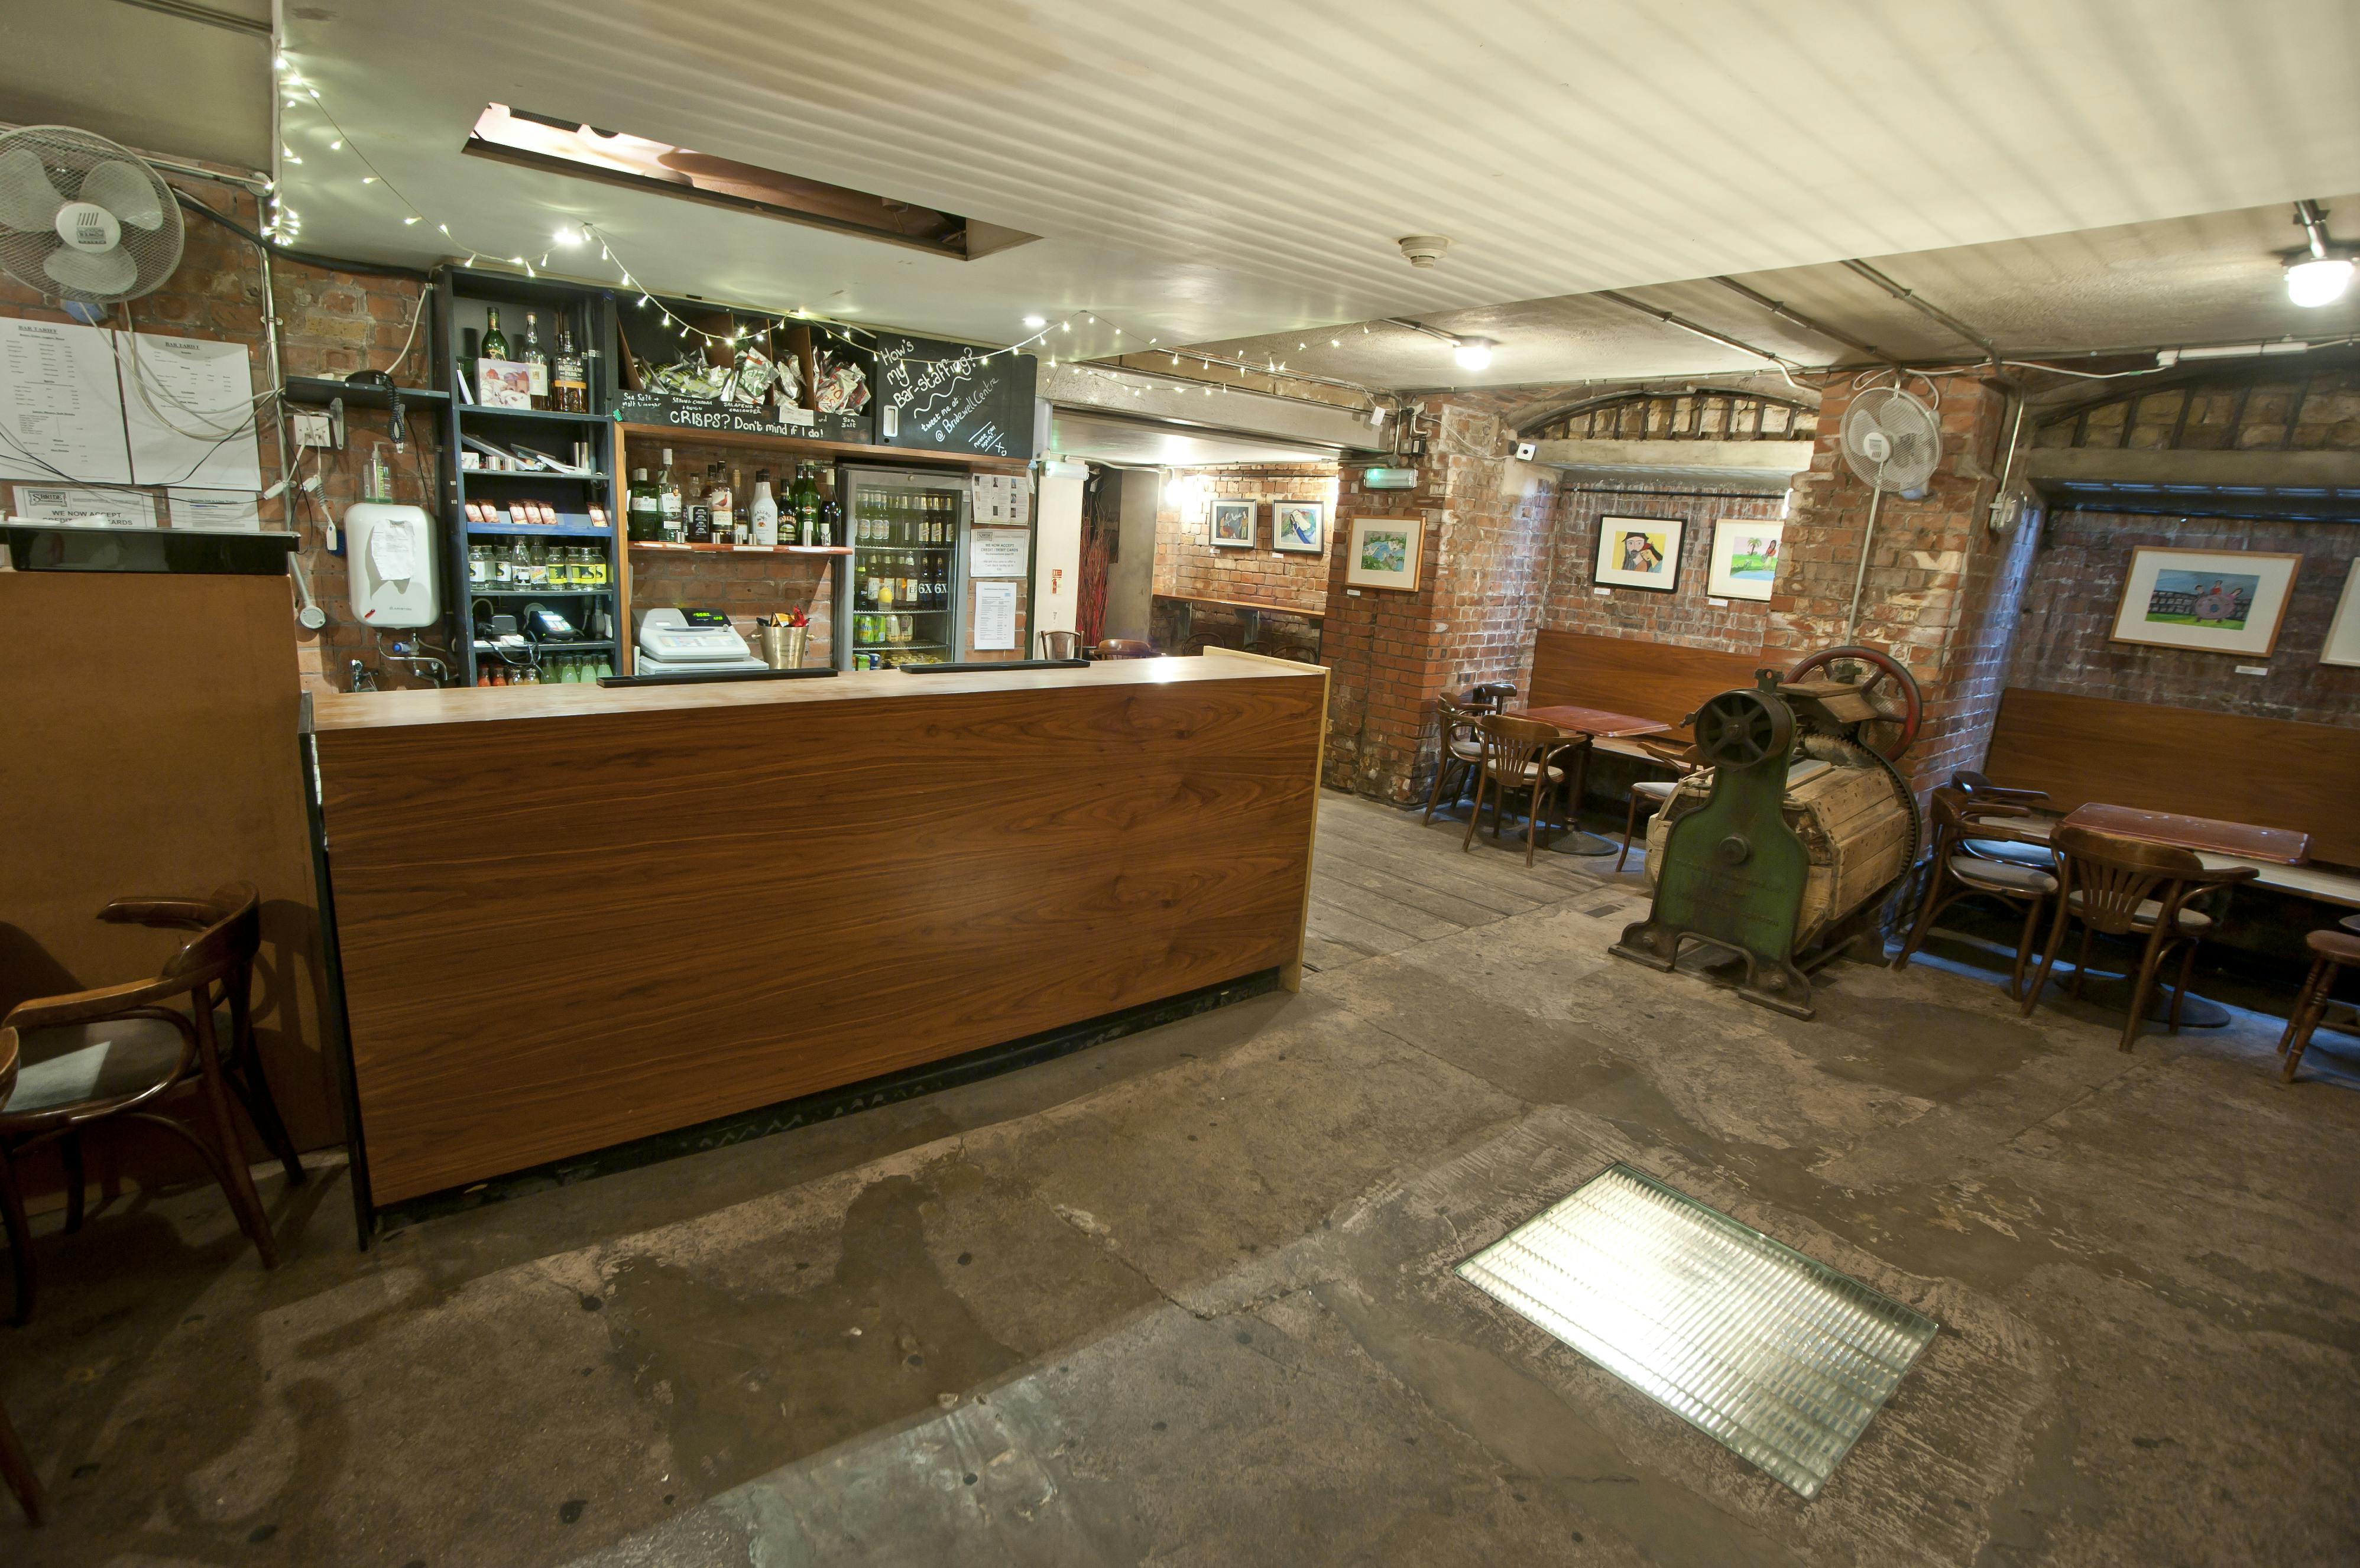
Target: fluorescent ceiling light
x: 1472, y: 353
x: 2318, y: 280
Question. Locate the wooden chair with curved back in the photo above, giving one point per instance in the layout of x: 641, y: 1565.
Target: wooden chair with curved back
x: 1462, y: 750
x: 15, y: 1465
x: 1519, y: 754
x: 1125, y: 647
x: 2120, y: 887
x: 1061, y: 645
x: 1962, y: 869
x: 110, y: 1054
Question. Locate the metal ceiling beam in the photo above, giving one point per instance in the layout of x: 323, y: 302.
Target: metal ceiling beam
x: 1779, y: 309
x: 1703, y: 332
x: 1934, y: 313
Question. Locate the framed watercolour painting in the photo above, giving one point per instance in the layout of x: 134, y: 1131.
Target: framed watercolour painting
x: 1639, y: 552
x: 1233, y: 524
x: 2211, y: 601
x: 2342, y: 645
x: 1744, y: 560
x: 1384, y: 552
x: 1298, y: 525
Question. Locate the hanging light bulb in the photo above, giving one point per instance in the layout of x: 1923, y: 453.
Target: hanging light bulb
x: 2318, y: 280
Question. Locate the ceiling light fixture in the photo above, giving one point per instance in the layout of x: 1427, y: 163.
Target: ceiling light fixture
x: 1472, y: 353
x: 1036, y: 323
x: 2320, y: 275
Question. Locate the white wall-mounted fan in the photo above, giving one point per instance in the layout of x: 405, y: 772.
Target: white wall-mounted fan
x: 1891, y: 441
x: 83, y: 219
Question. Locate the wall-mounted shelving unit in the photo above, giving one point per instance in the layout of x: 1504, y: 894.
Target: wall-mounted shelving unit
x: 465, y: 296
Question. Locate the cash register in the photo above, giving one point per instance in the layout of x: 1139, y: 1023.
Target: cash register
x: 682, y: 641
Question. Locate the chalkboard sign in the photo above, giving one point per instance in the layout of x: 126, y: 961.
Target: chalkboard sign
x: 946, y: 397
x: 706, y: 414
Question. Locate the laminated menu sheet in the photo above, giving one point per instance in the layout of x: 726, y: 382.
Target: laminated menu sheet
x: 60, y: 405
x: 995, y: 616
x: 88, y: 405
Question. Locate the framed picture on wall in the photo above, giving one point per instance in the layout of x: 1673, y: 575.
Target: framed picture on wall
x: 1744, y: 560
x: 2342, y: 645
x: 2211, y: 601
x: 1385, y: 552
x: 1233, y: 524
x: 1298, y: 525
x: 1639, y: 552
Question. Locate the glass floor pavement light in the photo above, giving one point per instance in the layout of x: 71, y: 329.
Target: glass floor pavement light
x: 1773, y: 1355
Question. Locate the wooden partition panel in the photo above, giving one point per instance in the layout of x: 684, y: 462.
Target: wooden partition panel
x: 1653, y: 680
x: 149, y: 745
x: 619, y: 913
x: 2273, y: 773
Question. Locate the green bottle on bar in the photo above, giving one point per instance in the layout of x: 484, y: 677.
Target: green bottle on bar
x: 496, y: 341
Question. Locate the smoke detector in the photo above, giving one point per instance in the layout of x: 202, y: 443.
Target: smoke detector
x: 1422, y: 250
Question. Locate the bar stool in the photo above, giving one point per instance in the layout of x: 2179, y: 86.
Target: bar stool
x: 112, y: 1053
x: 15, y: 1467
x: 2331, y: 950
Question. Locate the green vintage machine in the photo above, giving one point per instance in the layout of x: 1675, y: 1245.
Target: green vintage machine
x: 1796, y: 824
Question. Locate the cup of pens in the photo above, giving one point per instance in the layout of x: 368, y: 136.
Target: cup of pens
x: 784, y: 638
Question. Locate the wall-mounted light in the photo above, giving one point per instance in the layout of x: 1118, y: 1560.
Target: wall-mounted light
x: 1472, y: 353
x: 2319, y: 276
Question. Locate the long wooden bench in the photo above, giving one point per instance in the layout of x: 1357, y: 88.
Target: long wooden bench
x: 2273, y: 773
x: 1657, y: 680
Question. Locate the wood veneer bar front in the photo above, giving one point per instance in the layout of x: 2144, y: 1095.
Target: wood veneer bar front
x: 573, y: 916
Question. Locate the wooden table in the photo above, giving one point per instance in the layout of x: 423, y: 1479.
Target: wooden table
x: 2283, y: 846
x: 1598, y: 724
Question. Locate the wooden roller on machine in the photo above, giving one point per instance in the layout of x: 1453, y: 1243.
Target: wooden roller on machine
x: 1796, y: 822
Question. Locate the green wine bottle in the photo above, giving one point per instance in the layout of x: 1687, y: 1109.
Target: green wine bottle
x: 496, y: 341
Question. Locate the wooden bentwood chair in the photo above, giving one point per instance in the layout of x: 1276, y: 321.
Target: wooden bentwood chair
x: 15, y: 1467
x: 1462, y: 751
x: 1061, y: 645
x: 1526, y: 755
x: 2121, y: 887
x: 113, y: 1053
x: 1966, y: 834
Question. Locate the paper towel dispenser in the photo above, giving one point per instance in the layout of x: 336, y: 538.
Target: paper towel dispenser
x: 389, y: 565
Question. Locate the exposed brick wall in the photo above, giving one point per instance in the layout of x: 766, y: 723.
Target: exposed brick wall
x: 1924, y: 586
x: 332, y: 322
x: 2077, y: 584
x: 1686, y: 618
x: 1189, y: 565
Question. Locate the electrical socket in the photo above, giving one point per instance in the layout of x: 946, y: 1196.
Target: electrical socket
x: 313, y: 429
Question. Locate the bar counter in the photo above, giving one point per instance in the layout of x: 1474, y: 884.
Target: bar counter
x: 570, y: 916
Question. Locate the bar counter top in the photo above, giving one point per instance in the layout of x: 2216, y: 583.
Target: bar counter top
x: 476, y: 704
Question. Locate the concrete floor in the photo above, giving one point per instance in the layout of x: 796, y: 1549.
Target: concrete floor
x: 1186, y: 1298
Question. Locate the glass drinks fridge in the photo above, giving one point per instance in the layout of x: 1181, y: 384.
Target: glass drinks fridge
x: 903, y: 598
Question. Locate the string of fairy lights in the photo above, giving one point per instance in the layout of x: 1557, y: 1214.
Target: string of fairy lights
x: 283, y: 225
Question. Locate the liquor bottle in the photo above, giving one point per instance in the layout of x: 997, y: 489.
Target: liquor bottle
x: 569, y: 376
x: 831, y: 523
x: 496, y: 341
x: 722, y: 505
x: 762, y: 512
x: 806, y: 504
x: 536, y: 363
x: 668, y: 492
x: 741, y: 518
x: 645, y: 520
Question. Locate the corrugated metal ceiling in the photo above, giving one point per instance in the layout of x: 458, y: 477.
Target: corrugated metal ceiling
x: 1221, y: 169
